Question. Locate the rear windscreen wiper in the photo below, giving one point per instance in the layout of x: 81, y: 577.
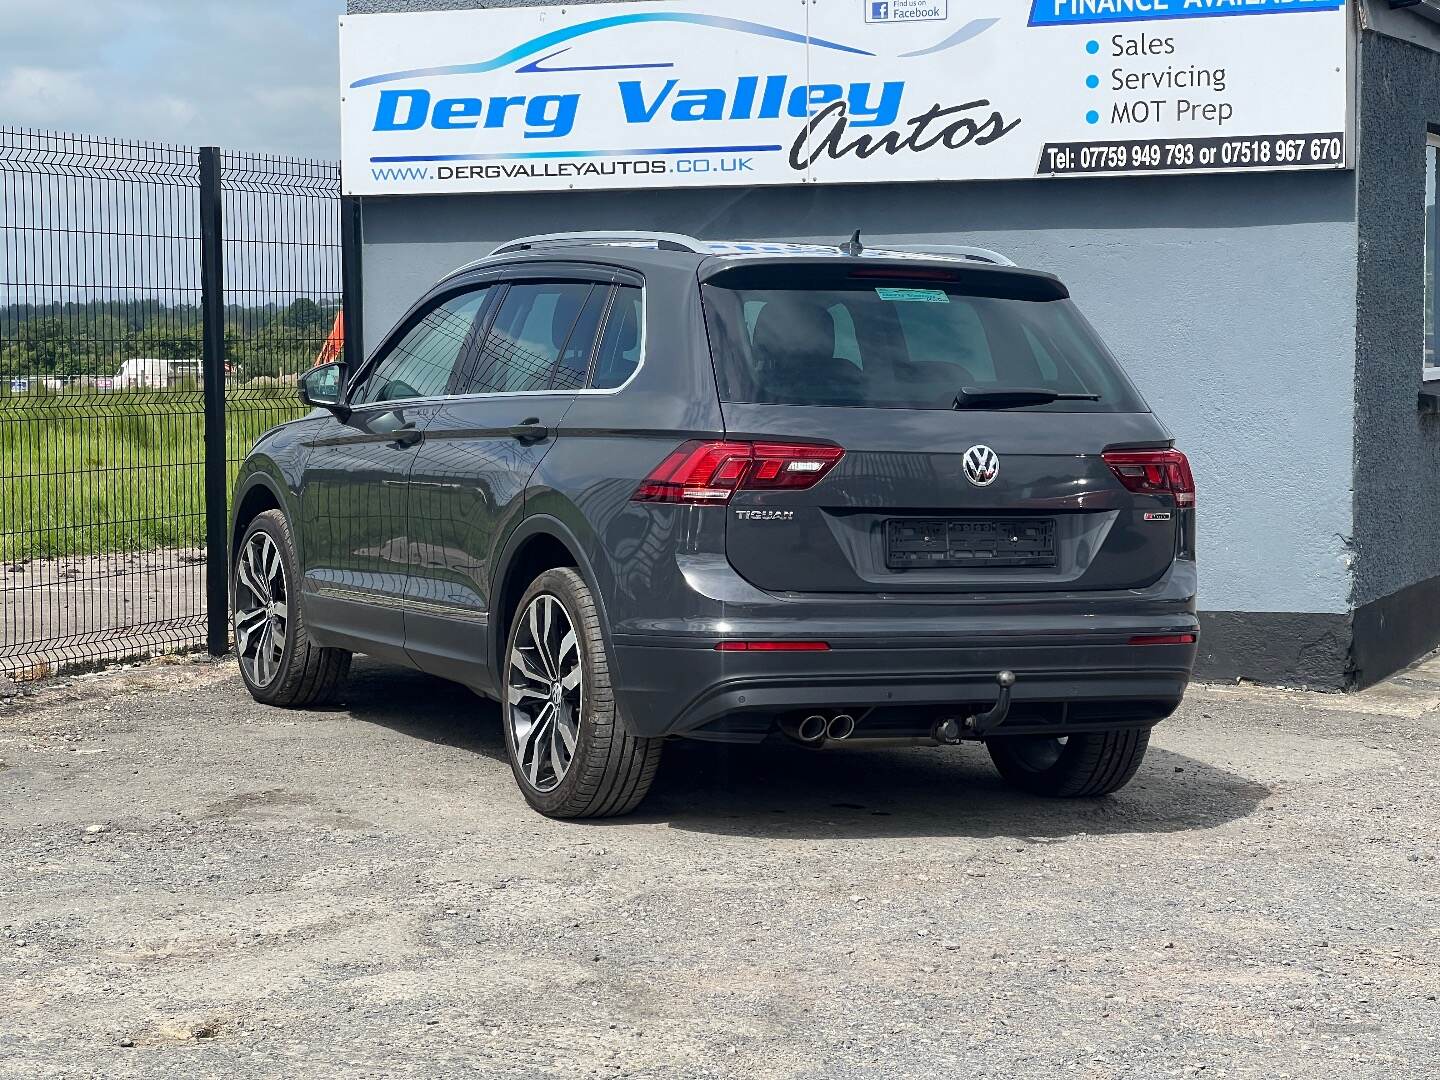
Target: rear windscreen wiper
x: 1013, y: 397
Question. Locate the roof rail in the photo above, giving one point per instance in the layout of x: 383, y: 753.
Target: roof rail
x: 979, y: 254
x: 662, y: 240
x: 668, y: 241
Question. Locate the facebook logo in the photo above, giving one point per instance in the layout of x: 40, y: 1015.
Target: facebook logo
x: 907, y: 11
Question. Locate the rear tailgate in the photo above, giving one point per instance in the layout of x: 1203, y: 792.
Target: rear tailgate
x: 898, y: 514
x: 973, y: 405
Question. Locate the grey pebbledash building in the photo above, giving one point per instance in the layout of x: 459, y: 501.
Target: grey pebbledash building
x: 1282, y: 323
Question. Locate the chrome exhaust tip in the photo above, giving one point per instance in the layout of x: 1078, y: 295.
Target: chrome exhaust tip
x: 807, y: 732
x: 812, y: 729
x: 840, y: 727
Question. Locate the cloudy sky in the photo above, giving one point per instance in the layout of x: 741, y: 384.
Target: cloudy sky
x: 242, y: 74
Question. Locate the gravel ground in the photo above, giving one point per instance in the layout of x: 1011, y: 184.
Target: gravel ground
x: 193, y: 885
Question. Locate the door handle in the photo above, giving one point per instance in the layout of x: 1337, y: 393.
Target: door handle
x: 529, y: 431
x: 406, y: 437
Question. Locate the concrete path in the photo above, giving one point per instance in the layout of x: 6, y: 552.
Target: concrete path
x: 58, y: 612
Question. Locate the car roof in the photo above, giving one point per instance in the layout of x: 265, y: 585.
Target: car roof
x: 659, y: 250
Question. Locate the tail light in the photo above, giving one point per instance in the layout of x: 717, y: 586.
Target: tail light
x: 711, y: 472
x: 1154, y: 472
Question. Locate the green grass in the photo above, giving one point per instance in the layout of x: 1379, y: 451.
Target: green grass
x: 91, y: 474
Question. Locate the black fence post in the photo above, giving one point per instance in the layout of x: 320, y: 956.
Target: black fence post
x: 352, y: 281
x: 212, y: 305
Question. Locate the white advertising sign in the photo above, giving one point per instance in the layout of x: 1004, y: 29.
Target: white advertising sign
x: 708, y: 93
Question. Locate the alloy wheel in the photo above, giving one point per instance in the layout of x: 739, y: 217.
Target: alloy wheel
x: 545, y: 693
x: 262, y: 612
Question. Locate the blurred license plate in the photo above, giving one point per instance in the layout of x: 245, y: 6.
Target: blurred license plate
x: 970, y: 543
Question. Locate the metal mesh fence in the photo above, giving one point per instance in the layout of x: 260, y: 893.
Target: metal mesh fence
x: 282, y: 272
x: 102, y: 380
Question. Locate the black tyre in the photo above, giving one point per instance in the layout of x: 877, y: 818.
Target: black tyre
x: 571, y: 755
x: 1076, y: 767
x: 278, y: 661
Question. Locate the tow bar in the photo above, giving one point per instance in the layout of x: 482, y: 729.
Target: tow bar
x: 949, y: 731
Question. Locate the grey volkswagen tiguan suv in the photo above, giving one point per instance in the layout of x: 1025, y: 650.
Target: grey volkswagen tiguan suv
x: 637, y: 487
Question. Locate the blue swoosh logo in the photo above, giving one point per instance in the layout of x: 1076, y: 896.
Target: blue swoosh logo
x: 973, y: 29
x: 570, y: 33
x: 534, y: 68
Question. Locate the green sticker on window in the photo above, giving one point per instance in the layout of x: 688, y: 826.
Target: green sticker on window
x: 915, y: 296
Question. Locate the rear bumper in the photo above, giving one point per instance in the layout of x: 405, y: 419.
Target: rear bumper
x: 902, y: 660
x: 1076, y: 671
x: 675, y: 691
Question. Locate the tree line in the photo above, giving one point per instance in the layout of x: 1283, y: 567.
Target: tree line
x: 95, y: 338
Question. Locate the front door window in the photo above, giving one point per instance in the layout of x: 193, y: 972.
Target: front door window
x: 423, y: 361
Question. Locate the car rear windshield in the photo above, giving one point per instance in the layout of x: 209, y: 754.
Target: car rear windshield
x: 879, y: 338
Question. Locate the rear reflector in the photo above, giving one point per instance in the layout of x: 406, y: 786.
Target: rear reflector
x: 710, y: 472
x: 772, y: 646
x: 1163, y: 639
x: 1154, y: 472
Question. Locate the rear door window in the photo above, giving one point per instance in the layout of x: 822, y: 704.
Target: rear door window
x: 534, y: 329
x: 574, y: 365
x: 815, y: 335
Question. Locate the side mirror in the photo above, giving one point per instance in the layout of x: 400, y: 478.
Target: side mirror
x: 324, y: 387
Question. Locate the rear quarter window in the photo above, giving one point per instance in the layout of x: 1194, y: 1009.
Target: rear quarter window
x: 621, y: 345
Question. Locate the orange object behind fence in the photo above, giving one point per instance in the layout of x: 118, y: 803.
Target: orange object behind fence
x: 334, y: 347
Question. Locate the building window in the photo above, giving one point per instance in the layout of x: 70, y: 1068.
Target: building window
x: 1432, y: 258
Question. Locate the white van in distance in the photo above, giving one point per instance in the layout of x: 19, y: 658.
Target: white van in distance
x: 149, y: 373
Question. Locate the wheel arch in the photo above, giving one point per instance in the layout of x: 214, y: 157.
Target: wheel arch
x: 253, y: 497
x: 540, y: 543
